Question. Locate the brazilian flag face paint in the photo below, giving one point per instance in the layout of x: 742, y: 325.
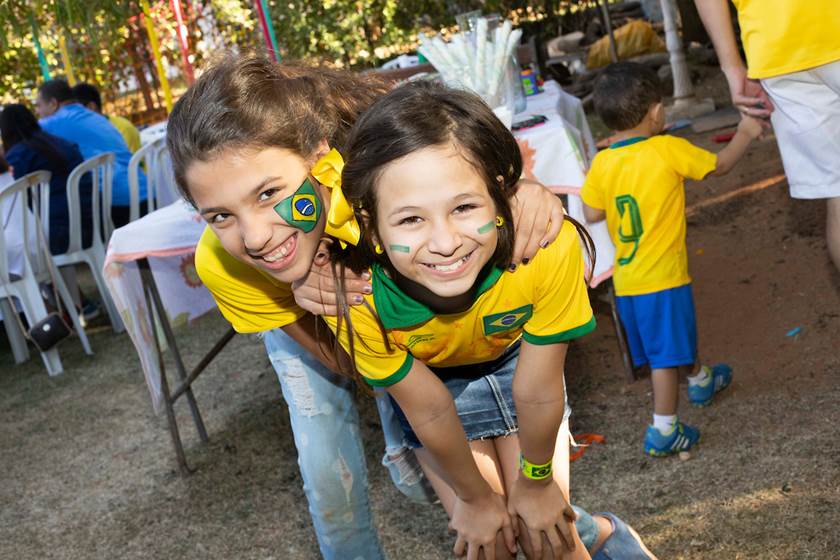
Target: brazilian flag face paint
x: 301, y: 210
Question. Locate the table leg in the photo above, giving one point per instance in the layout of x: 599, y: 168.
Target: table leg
x: 168, y: 401
x: 180, y: 370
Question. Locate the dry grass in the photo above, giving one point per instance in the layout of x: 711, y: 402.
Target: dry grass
x: 88, y: 471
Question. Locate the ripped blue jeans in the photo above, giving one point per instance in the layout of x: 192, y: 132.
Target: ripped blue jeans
x: 325, y: 423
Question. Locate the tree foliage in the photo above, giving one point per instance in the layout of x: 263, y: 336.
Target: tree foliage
x: 107, y: 43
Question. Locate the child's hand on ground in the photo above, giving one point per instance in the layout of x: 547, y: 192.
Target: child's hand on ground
x: 317, y: 292
x: 542, y: 509
x: 477, y: 523
x: 752, y: 126
x: 537, y: 217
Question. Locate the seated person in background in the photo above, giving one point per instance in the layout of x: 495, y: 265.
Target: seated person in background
x: 28, y: 148
x: 637, y: 185
x: 62, y: 116
x: 88, y: 95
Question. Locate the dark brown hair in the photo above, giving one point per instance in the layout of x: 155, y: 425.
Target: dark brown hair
x: 624, y: 93
x: 412, y: 117
x: 250, y: 101
x: 420, y: 115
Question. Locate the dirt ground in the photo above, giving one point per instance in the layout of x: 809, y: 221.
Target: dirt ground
x: 87, y: 470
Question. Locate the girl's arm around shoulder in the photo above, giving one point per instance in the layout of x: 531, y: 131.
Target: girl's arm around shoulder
x: 479, y: 514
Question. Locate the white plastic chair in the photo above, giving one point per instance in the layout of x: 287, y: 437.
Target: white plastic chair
x: 165, y: 190
x: 160, y: 179
x: 37, y: 268
x: 101, y: 168
x: 146, y: 156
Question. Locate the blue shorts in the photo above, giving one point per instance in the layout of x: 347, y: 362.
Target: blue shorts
x: 661, y: 327
x: 483, y: 395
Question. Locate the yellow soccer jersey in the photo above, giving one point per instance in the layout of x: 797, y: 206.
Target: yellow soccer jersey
x: 784, y: 36
x: 544, y: 302
x: 250, y: 300
x: 640, y: 184
x: 128, y: 131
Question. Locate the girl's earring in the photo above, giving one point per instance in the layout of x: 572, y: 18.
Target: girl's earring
x: 499, y: 221
x: 378, y: 249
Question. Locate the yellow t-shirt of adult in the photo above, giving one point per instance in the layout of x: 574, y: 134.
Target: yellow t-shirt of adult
x: 128, y: 131
x: 784, y: 36
x: 545, y: 302
x: 639, y: 183
x: 250, y: 300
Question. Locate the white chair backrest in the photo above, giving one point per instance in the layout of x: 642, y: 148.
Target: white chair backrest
x: 101, y: 169
x: 145, y: 156
x: 19, y: 200
x: 166, y: 191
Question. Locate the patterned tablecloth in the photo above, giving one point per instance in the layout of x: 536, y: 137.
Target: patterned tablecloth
x: 167, y: 238
x: 556, y: 153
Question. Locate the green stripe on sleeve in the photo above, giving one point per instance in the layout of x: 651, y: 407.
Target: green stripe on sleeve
x: 564, y: 336
x: 394, y: 377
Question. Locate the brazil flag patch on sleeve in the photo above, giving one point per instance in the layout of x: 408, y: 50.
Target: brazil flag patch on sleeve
x: 301, y: 210
x: 498, y: 322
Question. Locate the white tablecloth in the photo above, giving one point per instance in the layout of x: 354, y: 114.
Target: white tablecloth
x: 558, y: 154
x: 167, y: 238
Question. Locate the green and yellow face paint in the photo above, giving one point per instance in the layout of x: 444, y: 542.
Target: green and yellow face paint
x: 487, y: 227
x: 302, y: 209
x: 400, y: 248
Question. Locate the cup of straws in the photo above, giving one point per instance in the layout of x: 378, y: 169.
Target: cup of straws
x: 478, y: 60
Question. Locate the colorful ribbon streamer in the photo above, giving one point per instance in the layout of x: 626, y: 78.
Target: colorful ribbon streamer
x: 153, y: 41
x: 42, y: 59
x: 183, y: 42
x: 341, y: 220
x: 65, y: 59
x: 267, y: 28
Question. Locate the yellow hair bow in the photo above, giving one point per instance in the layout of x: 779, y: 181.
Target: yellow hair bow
x: 341, y: 220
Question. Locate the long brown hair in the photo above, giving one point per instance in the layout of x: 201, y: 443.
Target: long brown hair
x: 412, y: 117
x: 250, y: 101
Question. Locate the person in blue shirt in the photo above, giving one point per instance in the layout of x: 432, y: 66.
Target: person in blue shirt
x: 62, y: 116
x: 28, y: 148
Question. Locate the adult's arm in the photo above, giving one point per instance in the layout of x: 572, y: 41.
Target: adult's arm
x: 539, y: 395
x: 747, y: 95
x: 479, y: 513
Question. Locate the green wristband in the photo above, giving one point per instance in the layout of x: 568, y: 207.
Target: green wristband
x: 532, y: 471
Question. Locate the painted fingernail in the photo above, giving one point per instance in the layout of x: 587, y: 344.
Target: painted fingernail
x: 526, y: 260
x: 544, y: 244
x: 367, y: 289
x: 357, y: 300
x: 512, y: 267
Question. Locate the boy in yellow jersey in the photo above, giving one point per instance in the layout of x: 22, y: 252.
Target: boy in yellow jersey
x: 792, y: 76
x: 637, y: 185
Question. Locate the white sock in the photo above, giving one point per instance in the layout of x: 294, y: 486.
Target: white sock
x: 702, y: 376
x: 664, y: 422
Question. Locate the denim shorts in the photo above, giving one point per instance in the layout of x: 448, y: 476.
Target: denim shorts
x: 483, y: 395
